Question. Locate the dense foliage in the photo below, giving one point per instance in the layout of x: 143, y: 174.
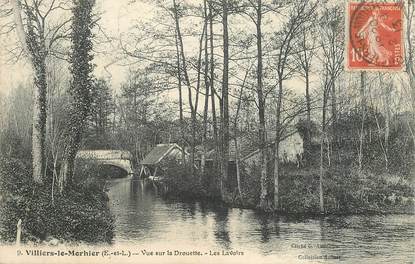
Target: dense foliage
x: 378, y: 187
x: 81, y: 215
x: 181, y: 183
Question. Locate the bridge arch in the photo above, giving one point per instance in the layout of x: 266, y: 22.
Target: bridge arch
x: 122, y: 164
x: 112, y: 171
x: 116, y: 158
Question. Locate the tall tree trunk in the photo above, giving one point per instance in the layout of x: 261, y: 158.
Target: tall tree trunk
x: 235, y: 129
x: 277, y: 143
x: 212, y: 82
x: 21, y: 34
x: 179, y: 86
x: 386, y: 102
x: 206, y: 79
x: 33, y: 45
x: 305, y: 60
x: 322, y: 139
x: 194, y: 109
x: 333, y: 145
x: 39, y: 120
x: 238, y: 171
x: 225, y: 103
x: 265, y: 201
x: 185, y: 73
x: 81, y: 69
x: 308, y: 103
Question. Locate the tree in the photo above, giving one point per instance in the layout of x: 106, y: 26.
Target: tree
x: 332, y: 44
x: 57, y: 100
x: 81, y: 84
x: 236, y: 133
x: 102, y: 106
x: 306, y: 46
x: 207, y: 90
x: 37, y: 39
x: 138, y: 107
x: 265, y: 201
x: 363, y: 105
x: 212, y: 78
x: 182, y: 64
x: 301, y: 13
x: 225, y: 101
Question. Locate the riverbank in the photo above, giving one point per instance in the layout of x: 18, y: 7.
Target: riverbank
x: 346, y: 191
x: 79, y: 215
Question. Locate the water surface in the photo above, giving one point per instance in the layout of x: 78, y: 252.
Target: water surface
x: 146, y: 220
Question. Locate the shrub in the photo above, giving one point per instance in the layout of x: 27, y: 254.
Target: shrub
x: 299, y: 191
x: 180, y: 182
x: 80, y: 215
x: 250, y: 185
x: 89, y: 176
x: 351, y: 191
x: 210, y: 182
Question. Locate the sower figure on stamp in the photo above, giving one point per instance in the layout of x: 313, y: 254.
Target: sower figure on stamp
x: 377, y: 53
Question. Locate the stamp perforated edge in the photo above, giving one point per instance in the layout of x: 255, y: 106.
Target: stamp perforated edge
x: 347, y: 39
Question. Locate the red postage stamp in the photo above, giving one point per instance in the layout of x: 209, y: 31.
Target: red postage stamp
x: 375, y: 39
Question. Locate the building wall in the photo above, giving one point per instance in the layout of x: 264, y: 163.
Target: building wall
x: 289, y: 148
x: 175, y: 153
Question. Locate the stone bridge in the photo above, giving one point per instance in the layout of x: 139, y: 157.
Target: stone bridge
x: 118, y: 158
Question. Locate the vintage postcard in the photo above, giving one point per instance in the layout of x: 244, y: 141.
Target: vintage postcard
x: 207, y: 131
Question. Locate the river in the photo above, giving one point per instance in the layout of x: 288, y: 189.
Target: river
x: 145, y: 220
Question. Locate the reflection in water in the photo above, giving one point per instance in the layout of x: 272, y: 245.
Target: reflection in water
x: 143, y: 218
x: 265, y: 229
x: 221, y: 230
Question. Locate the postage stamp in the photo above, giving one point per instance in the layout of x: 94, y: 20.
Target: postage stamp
x: 375, y: 37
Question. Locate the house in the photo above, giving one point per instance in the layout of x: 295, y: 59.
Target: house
x: 290, y: 149
x: 152, y: 164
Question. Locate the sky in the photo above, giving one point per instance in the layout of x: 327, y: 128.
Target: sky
x: 117, y: 19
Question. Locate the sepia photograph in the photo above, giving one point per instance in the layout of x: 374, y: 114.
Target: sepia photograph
x: 207, y: 131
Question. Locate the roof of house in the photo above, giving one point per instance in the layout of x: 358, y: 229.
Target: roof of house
x: 158, y: 153
x: 245, y: 147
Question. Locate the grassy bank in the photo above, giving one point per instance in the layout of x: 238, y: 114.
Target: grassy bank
x: 80, y: 215
x: 346, y: 190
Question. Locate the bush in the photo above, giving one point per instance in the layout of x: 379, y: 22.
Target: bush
x: 346, y: 190
x: 250, y: 185
x: 89, y: 176
x: 299, y: 191
x: 180, y: 183
x: 15, y: 146
x: 210, y: 183
x: 351, y: 191
x: 80, y: 215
